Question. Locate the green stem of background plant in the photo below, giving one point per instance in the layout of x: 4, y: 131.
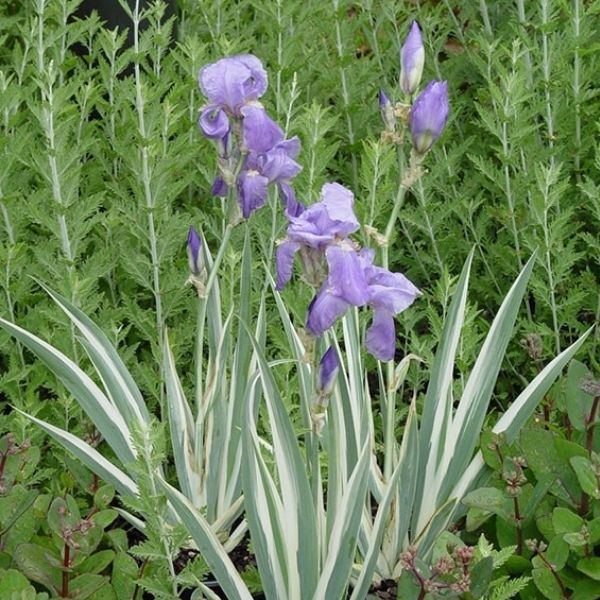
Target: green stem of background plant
x: 150, y: 202
x: 64, y: 592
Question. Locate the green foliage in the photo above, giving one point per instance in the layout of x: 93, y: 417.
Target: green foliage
x: 545, y: 487
x: 103, y: 171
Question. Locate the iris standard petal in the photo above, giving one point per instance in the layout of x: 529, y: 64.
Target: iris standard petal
x: 392, y: 292
x: 277, y: 165
x: 260, y: 132
x: 339, y: 202
x: 233, y: 81
x: 293, y: 207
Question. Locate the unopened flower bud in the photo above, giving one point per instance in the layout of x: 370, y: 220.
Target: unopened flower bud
x: 387, y: 112
x: 193, y: 250
x: 428, y: 115
x: 328, y: 370
x: 412, y: 59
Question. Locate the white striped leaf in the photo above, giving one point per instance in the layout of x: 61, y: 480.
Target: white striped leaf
x: 120, y: 385
x: 107, y: 419
x: 208, y: 544
x: 89, y: 456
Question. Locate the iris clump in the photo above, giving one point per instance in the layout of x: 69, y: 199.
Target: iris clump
x: 252, y: 149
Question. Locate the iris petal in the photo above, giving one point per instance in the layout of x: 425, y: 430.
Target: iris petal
x: 324, y: 310
x: 381, y: 336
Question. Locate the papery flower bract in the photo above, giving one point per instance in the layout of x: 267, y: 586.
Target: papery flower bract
x: 313, y: 230
x: 193, y: 250
x: 233, y: 81
x: 328, y: 370
x: 412, y: 59
x: 387, y: 111
x: 429, y: 115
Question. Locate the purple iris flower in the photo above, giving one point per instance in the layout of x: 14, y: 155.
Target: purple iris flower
x: 428, y: 115
x: 328, y: 370
x: 387, y: 293
x: 233, y: 82
x: 312, y: 232
x: 276, y: 165
x: 233, y: 86
x: 193, y: 249
x: 412, y: 59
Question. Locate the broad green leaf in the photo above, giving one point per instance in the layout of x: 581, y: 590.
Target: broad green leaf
x: 408, y: 588
x: 565, y: 520
x: 36, y: 563
x: 590, y: 566
x: 85, y: 585
x: 97, y: 562
x: 586, y: 474
x: 547, y: 584
x: 593, y: 528
x: 124, y: 575
x: 492, y: 500
x: 557, y: 552
x: 577, y: 401
x: 586, y: 589
x: 481, y: 574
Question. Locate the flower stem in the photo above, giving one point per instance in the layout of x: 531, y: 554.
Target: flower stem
x: 64, y: 592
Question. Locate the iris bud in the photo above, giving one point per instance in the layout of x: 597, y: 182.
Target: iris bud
x: 328, y: 370
x: 428, y: 115
x: 412, y: 59
x: 387, y: 111
x: 193, y: 250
